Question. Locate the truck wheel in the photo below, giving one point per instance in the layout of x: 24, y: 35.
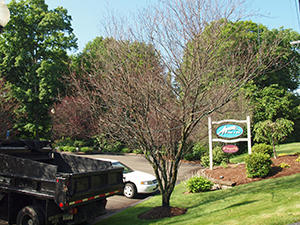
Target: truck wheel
x: 129, y: 190
x: 30, y: 215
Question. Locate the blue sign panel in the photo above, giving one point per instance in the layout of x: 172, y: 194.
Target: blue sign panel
x: 229, y: 131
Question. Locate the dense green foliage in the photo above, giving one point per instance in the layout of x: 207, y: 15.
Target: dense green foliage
x: 273, y: 132
x: 33, y: 50
x: 219, y: 157
x: 262, y: 148
x: 198, y: 184
x: 258, y: 165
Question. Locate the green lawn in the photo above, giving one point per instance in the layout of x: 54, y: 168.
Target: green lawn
x: 272, y: 201
x: 290, y: 148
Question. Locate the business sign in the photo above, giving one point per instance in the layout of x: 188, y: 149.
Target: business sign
x: 230, y: 148
x: 229, y: 131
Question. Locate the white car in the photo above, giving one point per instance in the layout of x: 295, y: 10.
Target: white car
x: 135, y: 181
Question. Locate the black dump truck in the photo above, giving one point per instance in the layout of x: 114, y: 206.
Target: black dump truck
x: 42, y: 186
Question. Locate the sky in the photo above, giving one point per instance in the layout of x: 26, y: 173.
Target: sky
x: 87, y: 14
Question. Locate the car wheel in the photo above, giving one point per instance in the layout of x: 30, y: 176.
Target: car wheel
x: 30, y: 215
x: 129, y: 190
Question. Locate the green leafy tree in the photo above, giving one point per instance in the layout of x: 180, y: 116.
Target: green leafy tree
x: 273, y: 132
x: 273, y: 102
x: 33, y: 50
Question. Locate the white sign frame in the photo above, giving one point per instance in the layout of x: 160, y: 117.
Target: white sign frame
x: 211, y: 140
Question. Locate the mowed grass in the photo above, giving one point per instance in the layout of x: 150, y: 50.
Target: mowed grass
x: 273, y: 201
x: 290, y: 148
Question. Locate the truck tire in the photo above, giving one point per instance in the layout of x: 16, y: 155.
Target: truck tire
x: 30, y: 215
x: 129, y: 190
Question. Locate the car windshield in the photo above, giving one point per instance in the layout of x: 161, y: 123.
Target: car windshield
x: 126, y: 168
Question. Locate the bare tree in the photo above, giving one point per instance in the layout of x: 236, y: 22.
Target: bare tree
x: 151, y: 85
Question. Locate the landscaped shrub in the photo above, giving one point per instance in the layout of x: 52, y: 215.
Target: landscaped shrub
x: 85, y: 149
x: 189, y: 156
x: 126, y: 150
x: 137, y: 151
x: 284, y: 165
x: 65, y: 148
x: 218, y: 157
x: 262, y: 148
x: 298, y: 159
x: 198, y: 184
x: 72, y: 149
x: 78, y: 143
x: 258, y: 164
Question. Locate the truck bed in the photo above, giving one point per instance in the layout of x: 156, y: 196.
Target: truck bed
x: 64, y: 177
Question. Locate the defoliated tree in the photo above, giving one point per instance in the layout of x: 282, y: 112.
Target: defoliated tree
x: 273, y: 132
x: 140, y: 102
x: 33, y: 51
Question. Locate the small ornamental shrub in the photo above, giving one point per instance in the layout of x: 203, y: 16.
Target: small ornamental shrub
x: 85, y: 149
x: 218, y: 157
x: 198, y: 184
x: 137, y: 151
x: 126, y: 150
x: 262, y: 148
x: 282, y: 154
x: 189, y: 156
x: 72, y: 149
x: 258, y: 165
x: 298, y: 159
x: 65, y: 148
x: 196, y: 153
x: 284, y: 165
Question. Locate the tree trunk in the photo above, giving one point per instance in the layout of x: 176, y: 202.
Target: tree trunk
x: 166, y: 198
x: 273, y: 143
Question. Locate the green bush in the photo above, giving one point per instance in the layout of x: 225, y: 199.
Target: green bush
x: 218, y: 157
x: 284, y: 165
x: 189, y: 156
x: 72, y: 149
x: 85, y: 149
x: 126, y: 150
x: 258, y: 164
x: 137, y: 151
x: 65, y: 148
x: 262, y: 148
x: 198, y: 184
x: 108, y: 145
x: 78, y: 143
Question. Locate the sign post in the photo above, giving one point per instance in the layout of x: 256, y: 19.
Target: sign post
x: 228, y: 131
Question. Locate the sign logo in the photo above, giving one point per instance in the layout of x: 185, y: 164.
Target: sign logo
x: 229, y: 131
x: 230, y: 148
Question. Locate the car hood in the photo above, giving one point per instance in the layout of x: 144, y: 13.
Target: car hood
x: 138, y: 176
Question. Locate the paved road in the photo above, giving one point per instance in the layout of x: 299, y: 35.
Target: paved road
x: 137, y: 162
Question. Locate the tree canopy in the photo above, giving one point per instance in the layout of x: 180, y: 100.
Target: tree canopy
x: 33, y: 54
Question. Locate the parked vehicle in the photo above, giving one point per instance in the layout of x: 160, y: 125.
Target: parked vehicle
x: 41, y: 186
x: 135, y: 181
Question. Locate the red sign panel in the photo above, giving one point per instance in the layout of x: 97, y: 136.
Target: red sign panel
x: 230, y: 148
